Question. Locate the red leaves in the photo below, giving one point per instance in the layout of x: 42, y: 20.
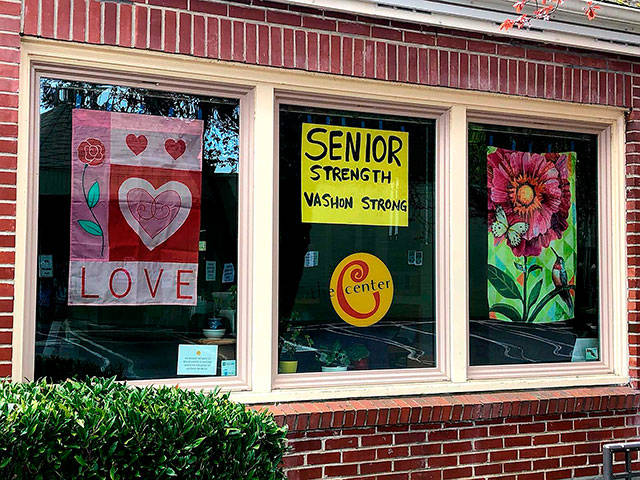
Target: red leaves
x: 591, y: 10
x: 544, y: 9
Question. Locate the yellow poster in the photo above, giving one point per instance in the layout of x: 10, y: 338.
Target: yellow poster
x: 354, y: 176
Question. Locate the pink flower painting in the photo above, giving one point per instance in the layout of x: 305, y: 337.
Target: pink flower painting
x: 531, y: 192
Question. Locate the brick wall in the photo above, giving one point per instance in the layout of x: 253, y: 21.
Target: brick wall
x: 518, y: 436
x: 10, y: 11
x: 396, y: 439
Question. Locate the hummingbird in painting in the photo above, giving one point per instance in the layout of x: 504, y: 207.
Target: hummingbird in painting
x: 559, y: 277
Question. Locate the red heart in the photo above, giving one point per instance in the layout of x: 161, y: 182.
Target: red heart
x: 175, y: 148
x: 136, y: 144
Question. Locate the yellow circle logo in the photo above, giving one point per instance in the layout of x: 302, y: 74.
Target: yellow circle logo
x: 361, y: 289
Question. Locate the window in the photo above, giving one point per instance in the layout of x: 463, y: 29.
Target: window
x: 351, y: 238
x: 356, y: 268
x: 150, y: 289
x: 533, y: 291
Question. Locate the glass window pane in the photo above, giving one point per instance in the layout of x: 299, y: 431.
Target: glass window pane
x: 314, y: 332
x: 136, y: 341
x: 533, y: 290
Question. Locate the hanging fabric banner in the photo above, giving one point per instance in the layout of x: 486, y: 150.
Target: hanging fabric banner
x: 532, y: 236
x: 135, y: 209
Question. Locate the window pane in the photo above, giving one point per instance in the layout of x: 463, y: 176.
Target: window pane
x: 113, y: 336
x: 312, y: 331
x: 533, y: 290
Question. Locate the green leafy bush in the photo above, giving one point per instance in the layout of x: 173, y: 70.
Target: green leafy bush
x: 101, y: 429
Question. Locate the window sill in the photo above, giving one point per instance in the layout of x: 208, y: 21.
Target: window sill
x: 301, y: 416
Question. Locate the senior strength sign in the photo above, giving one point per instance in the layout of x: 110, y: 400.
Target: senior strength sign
x: 354, y: 176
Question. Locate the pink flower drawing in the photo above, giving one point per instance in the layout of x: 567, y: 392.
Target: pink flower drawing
x: 532, y: 188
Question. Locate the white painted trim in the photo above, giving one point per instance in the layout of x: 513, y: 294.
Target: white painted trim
x: 458, y: 291
x: 259, y: 85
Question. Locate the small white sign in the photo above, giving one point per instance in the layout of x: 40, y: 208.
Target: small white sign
x: 210, y: 271
x: 311, y: 259
x: 411, y: 257
x: 202, y: 246
x: 45, y: 266
x: 418, y: 258
x: 197, y: 359
x: 228, y: 273
x: 228, y: 368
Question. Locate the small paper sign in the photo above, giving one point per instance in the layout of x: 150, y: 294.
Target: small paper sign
x: 228, y: 368
x: 210, y: 271
x: 311, y: 259
x: 45, y: 266
x: 228, y: 273
x: 197, y: 359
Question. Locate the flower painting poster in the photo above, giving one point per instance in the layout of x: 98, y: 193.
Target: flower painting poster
x: 532, y: 235
x: 135, y: 209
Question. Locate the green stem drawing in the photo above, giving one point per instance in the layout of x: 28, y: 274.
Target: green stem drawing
x: 94, y: 229
x: 546, y: 299
x: 524, y: 290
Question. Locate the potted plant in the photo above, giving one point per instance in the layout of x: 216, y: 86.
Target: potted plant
x: 291, y: 337
x: 359, y: 356
x: 333, y: 358
x: 215, y: 324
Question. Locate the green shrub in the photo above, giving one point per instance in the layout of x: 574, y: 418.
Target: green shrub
x: 101, y: 429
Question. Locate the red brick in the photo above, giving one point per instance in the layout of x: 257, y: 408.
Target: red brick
x: 439, y: 461
x: 338, y: 443
x: 323, y: 458
x: 341, y: 470
x: 517, y: 467
x: 457, y: 473
x: 358, y: 455
x: 284, y: 18
x: 375, y: 467
x: 454, y: 447
x: 170, y: 31
x: 451, y: 42
x: 306, y: 445
x: 305, y: 474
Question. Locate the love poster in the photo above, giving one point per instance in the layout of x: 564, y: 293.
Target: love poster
x: 532, y: 237
x: 135, y: 209
x: 354, y: 176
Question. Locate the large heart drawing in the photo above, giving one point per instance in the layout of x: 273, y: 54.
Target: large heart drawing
x: 175, y: 148
x: 136, y: 144
x: 155, y: 214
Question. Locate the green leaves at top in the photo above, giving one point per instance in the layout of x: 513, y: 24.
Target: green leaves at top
x: 503, y: 283
x: 90, y: 227
x: 94, y: 195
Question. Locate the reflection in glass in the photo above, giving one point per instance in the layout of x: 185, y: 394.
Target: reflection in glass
x: 312, y: 336
x: 533, y: 290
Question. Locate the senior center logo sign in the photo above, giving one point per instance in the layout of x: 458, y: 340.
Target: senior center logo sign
x: 354, y: 176
x: 361, y: 289
x: 135, y: 209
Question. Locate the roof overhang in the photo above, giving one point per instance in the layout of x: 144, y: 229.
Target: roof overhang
x: 616, y: 29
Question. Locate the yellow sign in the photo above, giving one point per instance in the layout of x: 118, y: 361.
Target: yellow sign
x: 354, y: 175
x: 361, y: 289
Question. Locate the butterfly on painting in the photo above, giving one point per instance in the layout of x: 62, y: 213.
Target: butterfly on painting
x: 514, y: 232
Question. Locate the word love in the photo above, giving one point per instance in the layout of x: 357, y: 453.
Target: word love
x: 134, y: 283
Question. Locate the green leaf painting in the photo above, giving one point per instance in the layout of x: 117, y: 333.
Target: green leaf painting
x: 503, y: 283
x: 90, y: 227
x: 94, y: 195
x: 508, y: 311
x: 535, y: 293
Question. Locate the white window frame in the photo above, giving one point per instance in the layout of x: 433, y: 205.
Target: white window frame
x: 263, y: 88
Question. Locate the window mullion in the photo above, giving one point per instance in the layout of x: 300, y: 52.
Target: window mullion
x: 454, y: 149
x: 264, y: 234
